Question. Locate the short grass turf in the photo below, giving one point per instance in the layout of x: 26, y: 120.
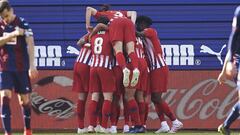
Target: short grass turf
x: 149, y: 133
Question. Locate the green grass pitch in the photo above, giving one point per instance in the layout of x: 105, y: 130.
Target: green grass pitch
x: 149, y: 133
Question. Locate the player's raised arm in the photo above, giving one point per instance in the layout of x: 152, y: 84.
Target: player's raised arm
x: 83, y: 39
x: 102, y: 25
x: 132, y: 15
x: 90, y: 11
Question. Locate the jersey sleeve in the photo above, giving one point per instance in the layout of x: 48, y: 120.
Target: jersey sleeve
x: 25, y: 25
x: 97, y: 15
x: 149, y: 32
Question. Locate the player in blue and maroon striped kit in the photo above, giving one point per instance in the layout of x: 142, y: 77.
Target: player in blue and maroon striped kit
x: 231, y: 69
x: 16, y: 65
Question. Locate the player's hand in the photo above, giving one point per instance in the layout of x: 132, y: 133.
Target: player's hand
x: 33, y: 72
x: 89, y: 28
x: 231, y: 69
x: 221, y: 78
x: 19, y: 31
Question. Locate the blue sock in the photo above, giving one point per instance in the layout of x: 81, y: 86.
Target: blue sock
x: 6, y: 115
x: 27, y: 116
x: 232, y: 116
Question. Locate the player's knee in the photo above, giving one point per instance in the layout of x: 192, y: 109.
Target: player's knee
x: 139, y: 96
x: 108, y: 96
x: 25, y: 101
x: 130, y: 47
x: 118, y: 47
x: 82, y: 96
x: 95, y: 96
x: 6, y: 93
x: 128, y: 97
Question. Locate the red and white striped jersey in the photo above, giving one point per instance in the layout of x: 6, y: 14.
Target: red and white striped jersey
x: 139, y: 49
x: 102, y: 51
x: 153, y: 49
x: 85, y: 54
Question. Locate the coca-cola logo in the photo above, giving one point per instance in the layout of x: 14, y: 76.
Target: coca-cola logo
x: 200, y: 100
x: 60, y: 108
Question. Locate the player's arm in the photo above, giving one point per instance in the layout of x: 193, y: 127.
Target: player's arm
x: 83, y: 40
x: 229, y: 67
x: 33, y: 73
x: 90, y: 11
x: 148, y: 32
x: 132, y: 15
x: 222, y: 76
x: 97, y: 28
x: 8, y: 37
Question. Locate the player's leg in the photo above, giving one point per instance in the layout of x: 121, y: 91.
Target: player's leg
x: 146, y: 101
x: 23, y: 88
x: 81, y: 103
x: 92, y: 110
x: 141, y: 88
x: 24, y: 100
x: 163, y: 108
x: 147, y: 98
x: 133, y: 111
x: 94, y: 88
x: 116, y: 98
x: 115, y: 112
x: 141, y: 104
x: 159, y: 81
x: 129, y: 39
x: 118, y: 48
x: 107, y: 87
x: 6, y: 85
x: 233, y: 115
x: 126, y: 115
x: 106, y: 110
x: 157, y: 101
x: 81, y: 86
x: 6, y: 110
x: 116, y: 31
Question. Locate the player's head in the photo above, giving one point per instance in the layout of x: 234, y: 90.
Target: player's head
x: 104, y: 7
x: 103, y: 19
x: 6, y: 11
x: 143, y: 22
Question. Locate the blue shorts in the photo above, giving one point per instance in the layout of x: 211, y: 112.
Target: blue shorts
x: 19, y: 81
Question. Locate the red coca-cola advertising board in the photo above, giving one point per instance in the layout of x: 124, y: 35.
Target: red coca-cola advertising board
x: 195, y: 96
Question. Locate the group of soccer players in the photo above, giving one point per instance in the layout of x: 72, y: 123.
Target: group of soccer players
x: 121, y: 57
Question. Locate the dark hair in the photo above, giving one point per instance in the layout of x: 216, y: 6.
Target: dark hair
x: 144, y: 19
x: 103, y: 19
x: 4, y: 5
x: 104, y: 7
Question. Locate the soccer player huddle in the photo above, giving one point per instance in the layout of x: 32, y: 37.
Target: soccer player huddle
x: 121, y: 58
